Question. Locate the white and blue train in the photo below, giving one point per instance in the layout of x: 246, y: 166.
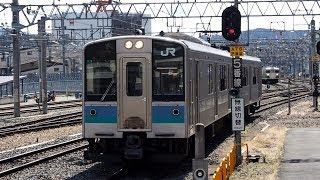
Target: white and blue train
x: 143, y: 95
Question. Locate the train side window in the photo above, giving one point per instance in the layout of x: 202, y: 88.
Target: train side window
x: 210, y: 79
x: 244, y: 76
x: 222, y: 77
x: 255, y: 72
x: 134, y: 78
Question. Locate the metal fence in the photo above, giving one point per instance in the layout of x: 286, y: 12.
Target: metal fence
x: 55, y: 82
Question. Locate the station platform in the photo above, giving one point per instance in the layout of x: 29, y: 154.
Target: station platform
x: 301, y: 157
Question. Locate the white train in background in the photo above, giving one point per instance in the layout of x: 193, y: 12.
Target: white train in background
x: 270, y: 75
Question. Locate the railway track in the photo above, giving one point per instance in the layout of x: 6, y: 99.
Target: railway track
x: 25, y: 160
x: 276, y: 103
x: 45, y: 123
x: 283, y: 93
x: 7, y: 111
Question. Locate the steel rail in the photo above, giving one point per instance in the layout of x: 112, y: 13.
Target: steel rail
x: 284, y: 101
x: 41, y: 120
x: 39, y: 150
x: 41, y: 160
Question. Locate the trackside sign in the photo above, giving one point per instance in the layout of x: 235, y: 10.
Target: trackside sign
x: 237, y: 111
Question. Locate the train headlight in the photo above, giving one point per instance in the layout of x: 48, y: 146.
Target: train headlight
x: 139, y: 44
x: 128, y: 45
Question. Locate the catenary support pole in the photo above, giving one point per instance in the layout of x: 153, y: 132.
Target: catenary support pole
x: 16, y: 57
x: 313, y: 45
x: 44, y: 65
x: 63, y: 44
x: 289, y: 97
x: 39, y: 61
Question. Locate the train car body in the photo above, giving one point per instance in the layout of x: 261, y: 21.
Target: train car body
x: 143, y: 95
x: 270, y: 75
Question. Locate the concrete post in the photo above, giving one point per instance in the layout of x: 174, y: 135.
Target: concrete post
x: 200, y: 164
x: 199, y: 141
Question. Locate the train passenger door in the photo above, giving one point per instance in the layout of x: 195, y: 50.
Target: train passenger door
x: 197, y: 92
x: 194, y: 103
x: 134, y: 94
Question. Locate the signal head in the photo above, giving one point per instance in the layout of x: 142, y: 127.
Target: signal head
x: 231, y: 23
x: 318, y: 47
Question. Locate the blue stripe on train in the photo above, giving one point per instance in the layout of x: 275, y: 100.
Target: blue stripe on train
x: 164, y: 114
x: 108, y: 114
x: 105, y: 114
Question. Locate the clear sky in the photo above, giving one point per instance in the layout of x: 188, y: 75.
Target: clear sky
x: 281, y: 23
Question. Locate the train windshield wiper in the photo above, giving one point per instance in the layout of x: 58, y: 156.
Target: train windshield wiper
x: 107, y: 90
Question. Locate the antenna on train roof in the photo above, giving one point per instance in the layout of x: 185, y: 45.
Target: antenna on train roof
x: 140, y: 31
x: 161, y: 33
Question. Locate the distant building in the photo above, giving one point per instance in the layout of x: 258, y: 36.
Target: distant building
x: 99, y: 27
x: 76, y: 30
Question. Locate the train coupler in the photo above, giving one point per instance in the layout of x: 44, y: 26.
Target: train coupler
x: 133, y: 153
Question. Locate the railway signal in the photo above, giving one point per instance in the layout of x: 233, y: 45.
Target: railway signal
x: 231, y: 23
x: 318, y: 47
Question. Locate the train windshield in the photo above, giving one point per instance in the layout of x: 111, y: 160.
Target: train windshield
x: 100, y: 72
x: 167, y: 71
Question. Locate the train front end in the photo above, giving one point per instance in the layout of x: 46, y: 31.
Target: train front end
x: 134, y: 98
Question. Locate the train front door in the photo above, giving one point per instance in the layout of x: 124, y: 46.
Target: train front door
x: 134, y: 94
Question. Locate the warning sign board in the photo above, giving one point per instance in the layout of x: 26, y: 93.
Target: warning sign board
x: 236, y: 50
x: 237, y: 111
x: 314, y: 58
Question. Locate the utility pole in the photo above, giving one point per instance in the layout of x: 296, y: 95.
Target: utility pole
x: 289, y: 97
x: 39, y: 42
x: 16, y: 57
x: 43, y: 66
x: 313, y: 53
x: 63, y: 44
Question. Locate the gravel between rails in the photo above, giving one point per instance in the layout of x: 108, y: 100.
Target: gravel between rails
x: 29, y: 117
x: 72, y: 166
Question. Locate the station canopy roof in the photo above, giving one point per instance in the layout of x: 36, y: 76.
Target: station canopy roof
x: 8, y: 79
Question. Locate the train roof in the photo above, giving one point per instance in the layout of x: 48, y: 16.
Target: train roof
x: 183, y: 39
x: 203, y: 48
x: 270, y: 67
